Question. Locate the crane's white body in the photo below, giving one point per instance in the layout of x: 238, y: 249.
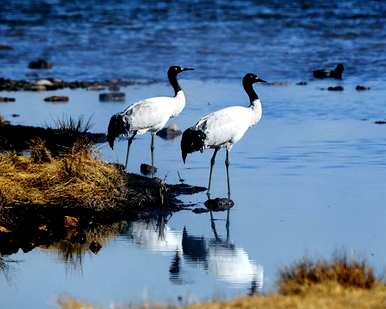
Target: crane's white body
x: 152, y: 114
x: 227, y: 126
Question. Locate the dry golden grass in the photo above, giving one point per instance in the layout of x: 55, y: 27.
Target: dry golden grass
x: 76, y: 177
x: 347, y: 272
x: 339, y: 284
x: 323, y: 296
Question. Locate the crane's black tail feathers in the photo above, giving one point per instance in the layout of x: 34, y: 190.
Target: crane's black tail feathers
x: 116, y: 127
x: 192, y: 140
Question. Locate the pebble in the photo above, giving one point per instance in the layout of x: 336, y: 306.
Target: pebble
x: 69, y: 221
x: 302, y: 83
x: 362, y: 88
x: 40, y: 64
x: 112, y: 97
x: 219, y: 204
x: 44, y: 82
x: 147, y: 169
x: 170, y: 132
x: 7, y: 99
x: 56, y: 98
x: 335, y: 88
x: 95, y: 247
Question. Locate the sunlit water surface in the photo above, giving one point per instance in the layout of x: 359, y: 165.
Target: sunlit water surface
x: 307, y: 180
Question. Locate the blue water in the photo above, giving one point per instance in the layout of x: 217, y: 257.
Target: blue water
x: 307, y: 180
x: 222, y: 39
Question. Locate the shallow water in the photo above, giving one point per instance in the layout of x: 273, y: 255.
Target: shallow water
x: 307, y: 180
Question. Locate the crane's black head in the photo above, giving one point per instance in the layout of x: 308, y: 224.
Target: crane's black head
x: 176, y: 69
x: 116, y: 128
x: 251, y: 78
x: 191, y: 141
x: 248, y: 80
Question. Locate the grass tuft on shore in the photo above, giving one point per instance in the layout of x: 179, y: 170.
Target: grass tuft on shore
x: 344, y: 271
x: 337, y: 284
x: 74, y: 177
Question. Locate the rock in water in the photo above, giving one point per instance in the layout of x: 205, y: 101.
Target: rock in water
x: 40, y: 64
x: 95, y: 247
x: 56, y: 98
x: 219, y: 204
x: 6, y: 99
x: 148, y: 169
x: 112, y: 97
x: 170, y: 132
x: 361, y: 88
x: 335, y: 88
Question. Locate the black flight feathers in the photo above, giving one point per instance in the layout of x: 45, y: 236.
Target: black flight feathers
x: 192, y: 140
x: 116, y: 127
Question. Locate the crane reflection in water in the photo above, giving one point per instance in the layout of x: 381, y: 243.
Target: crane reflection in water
x: 216, y: 255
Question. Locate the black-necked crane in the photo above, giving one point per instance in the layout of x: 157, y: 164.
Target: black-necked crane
x: 148, y: 115
x: 223, y: 128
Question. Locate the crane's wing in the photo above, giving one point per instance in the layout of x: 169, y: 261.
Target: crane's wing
x: 148, y: 114
x: 224, y: 126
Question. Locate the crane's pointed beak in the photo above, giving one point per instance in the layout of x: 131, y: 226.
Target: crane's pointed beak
x: 187, y: 69
x: 259, y: 80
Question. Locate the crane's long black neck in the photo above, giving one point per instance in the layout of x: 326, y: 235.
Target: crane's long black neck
x: 173, y: 81
x: 248, y: 87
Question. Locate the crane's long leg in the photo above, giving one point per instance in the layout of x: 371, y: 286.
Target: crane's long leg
x: 152, y: 149
x: 227, y: 163
x: 212, y: 161
x: 129, y: 141
x: 227, y: 225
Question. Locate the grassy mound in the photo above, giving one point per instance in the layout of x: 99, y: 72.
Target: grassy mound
x: 76, y: 177
x: 341, y: 270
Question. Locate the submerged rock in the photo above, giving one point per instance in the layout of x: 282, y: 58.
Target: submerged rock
x: 335, y: 88
x: 40, y: 64
x: 361, y: 88
x: 7, y: 99
x: 302, y: 83
x: 95, y: 247
x: 56, y: 98
x: 219, y: 204
x: 112, y: 97
x: 170, y: 132
x: 148, y: 169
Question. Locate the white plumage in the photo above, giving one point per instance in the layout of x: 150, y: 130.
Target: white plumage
x: 224, y: 128
x: 152, y: 114
x: 227, y: 126
x: 148, y: 115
